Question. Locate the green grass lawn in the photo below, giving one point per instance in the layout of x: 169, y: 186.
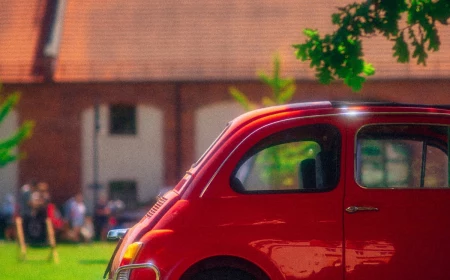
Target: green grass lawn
x: 76, y: 261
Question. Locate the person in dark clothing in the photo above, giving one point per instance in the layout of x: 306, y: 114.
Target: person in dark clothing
x: 35, y: 228
x: 101, y: 217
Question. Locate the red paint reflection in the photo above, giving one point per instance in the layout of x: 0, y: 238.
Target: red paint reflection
x: 317, y: 259
x: 304, y: 259
x: 367, y: 253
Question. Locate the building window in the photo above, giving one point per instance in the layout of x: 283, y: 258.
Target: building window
x: 124, y: 191
x: 122, y: 119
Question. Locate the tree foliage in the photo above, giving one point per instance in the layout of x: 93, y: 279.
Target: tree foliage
x: 282, y: 89
x: 410, y: 24
x: 277, y: 165
x: 8, y: 151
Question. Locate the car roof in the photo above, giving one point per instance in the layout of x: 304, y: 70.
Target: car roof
x: 341, y: 104
x: 360, y: 105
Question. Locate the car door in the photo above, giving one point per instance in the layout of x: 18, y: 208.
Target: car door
x: 397, y: 200
x: 282, y: 188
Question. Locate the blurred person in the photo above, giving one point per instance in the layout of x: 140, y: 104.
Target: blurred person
x: 33, y: 212
x: 76, y: 215
x: 39, y: 200
x: 60, y: 226
x: 87, y: 231
x: 25, y: 194
x: 7, y: 216
x: 102, y: 213
x: 116, y: 206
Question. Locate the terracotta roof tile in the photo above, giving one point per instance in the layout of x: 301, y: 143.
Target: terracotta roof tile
x: 19, y: 29
x: 198, y: 40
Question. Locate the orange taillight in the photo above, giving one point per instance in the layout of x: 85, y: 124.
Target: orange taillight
x: 131, y: 253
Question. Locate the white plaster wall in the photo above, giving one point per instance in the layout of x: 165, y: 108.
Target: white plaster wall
x: 9, y: 173
x: 211, y: 120
x: 123, y: 157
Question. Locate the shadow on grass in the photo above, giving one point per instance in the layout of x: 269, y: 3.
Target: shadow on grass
x: 98, y: 261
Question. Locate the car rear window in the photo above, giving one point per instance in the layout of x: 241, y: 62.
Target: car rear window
x: 305, y: 158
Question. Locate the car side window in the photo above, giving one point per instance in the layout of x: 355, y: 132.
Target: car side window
x: 402, y: 156
x: 305, y: 158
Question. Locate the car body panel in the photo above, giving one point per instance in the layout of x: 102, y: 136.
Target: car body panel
x: 407, y: 238
x: 298, y: 234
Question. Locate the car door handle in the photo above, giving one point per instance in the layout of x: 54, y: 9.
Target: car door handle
x: 354, y: 209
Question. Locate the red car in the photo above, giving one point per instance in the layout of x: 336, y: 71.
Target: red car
x: 321, y: 190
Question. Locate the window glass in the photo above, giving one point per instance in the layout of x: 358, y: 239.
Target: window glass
x: 122, y: 119
x: 299, y: 159
x: 125, y: 192
x: 402, y: 156
x: 436, y: 169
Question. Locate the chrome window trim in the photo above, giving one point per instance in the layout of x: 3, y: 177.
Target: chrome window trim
x: 137, y: 266
x: 225, y: 129
x: 346, y: 112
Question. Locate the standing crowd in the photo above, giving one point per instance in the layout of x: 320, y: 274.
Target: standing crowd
x: 71, y: 222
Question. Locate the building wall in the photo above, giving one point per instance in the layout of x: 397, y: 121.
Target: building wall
x: 189, y: 116
x: 9, y: 173
x: 210, y: 121
x: 136, y: 158
x: 55, y: 152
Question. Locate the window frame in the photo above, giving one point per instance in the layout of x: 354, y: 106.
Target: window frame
x: 423, y: 139
x: 123, y: 132
x: 246, y: 156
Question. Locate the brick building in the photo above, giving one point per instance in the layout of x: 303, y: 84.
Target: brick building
x: 160, y: 73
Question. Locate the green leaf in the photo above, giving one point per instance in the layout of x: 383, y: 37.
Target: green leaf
x: 336, y: 19
x: 339, y: 54
x: 6, y: 157
x: 401, y: 50
x: 440, y: 11
x: 285, y: 83
x: 7, y: 145
x: 23, y: 133
x: 355, y: 82
x: 368, y: 69
x: 8, y: 104
x: 316, y: 55
x: 266, y: 101
x: 342, y: 72
x: 240, y: 98
x: 433, y: 39
x: 287, y: 94
x: 265, y: 79
x: 311, y: 33
x: 356, y: 64
x: 324, y: 75
x: 302, y: 52
x: 419, y: 53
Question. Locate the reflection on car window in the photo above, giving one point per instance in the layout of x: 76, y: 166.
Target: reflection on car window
x: 299, y: 159
x: 402, y: 156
